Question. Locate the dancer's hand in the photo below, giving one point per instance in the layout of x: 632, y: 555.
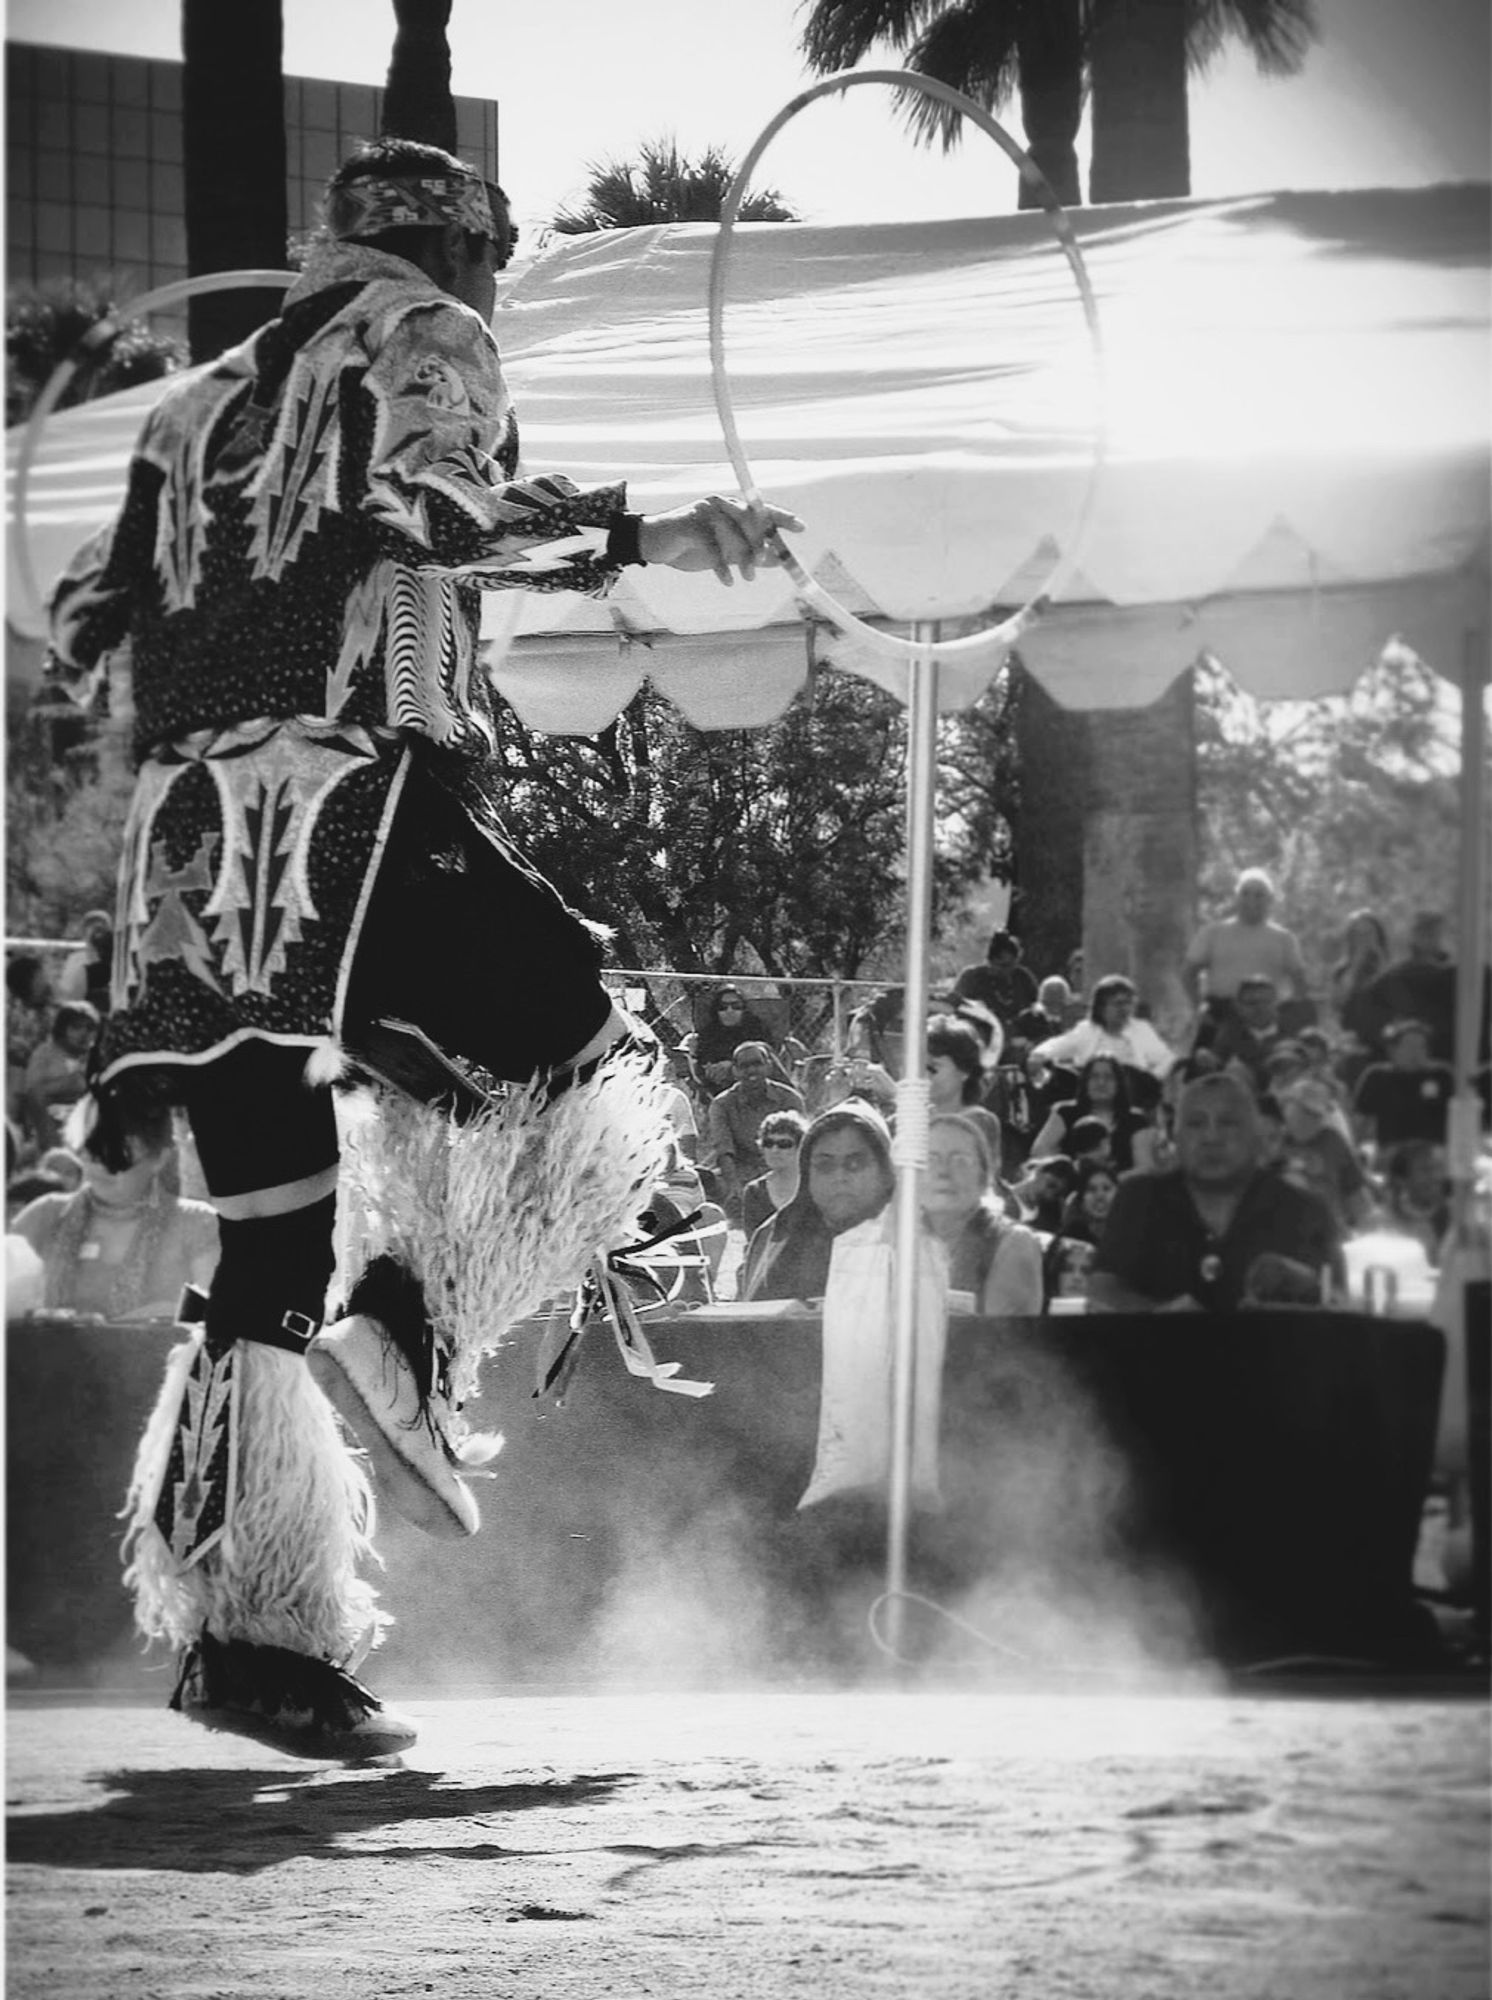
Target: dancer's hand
x: 715, y: 533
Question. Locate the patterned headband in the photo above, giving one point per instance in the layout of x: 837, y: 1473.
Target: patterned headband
x: 368, y: 207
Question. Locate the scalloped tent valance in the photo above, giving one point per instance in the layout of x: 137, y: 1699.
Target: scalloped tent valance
x: 1299, y: 409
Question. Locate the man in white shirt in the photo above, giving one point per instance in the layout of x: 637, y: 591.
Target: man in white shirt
x: 1246, y: 945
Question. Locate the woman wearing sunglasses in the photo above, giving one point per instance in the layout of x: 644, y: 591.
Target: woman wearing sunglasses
x: 780, y: 1138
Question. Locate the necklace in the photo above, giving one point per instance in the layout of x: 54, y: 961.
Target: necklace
x: 117, y: 1211
x: 127, y: 1286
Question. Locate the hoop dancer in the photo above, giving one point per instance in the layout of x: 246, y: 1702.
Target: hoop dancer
x: 315, y: 870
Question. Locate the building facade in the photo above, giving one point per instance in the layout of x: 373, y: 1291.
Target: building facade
x: 93, y: 156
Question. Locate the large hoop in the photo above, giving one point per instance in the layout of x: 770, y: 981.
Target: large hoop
x: 97, y: 337
x: 889, y: 643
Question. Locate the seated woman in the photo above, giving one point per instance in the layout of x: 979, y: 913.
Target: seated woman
x: 1069, y: 1254
x: 727, y: 1023
x: 955, y: 1063
x: 1094, y: 1187
x: 780, y: 1138
x: 845, y: 1177
x: 1102, y: 1093
x: 1112, y: 1028
x: 996, y: 1261
x: 124, y: 1245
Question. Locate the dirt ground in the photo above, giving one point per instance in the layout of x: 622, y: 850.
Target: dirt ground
x: 1061, y: 1846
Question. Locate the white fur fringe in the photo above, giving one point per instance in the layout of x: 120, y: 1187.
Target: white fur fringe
x: 499, y: 1214
x: 286, y: 1571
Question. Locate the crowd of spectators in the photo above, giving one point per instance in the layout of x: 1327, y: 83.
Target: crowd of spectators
x: 1078, y: 1155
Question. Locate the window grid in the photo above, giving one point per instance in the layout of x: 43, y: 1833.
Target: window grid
x: 94, y: 176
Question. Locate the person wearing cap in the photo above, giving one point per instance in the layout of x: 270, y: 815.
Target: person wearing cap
x: 1219, y: 1229
x: 1316, y: 1157
x: 1288, y: 1062
x: 315, y: 862
x: 1406, y: 1097
x: 845, y: 1177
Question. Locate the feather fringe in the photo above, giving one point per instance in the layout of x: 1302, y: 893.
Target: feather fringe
x: 286, y: 1571
x: 326, y: 1063
x: 497, y: 1214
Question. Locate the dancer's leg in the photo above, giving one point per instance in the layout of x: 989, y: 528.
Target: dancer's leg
x: 471, y: 972
x: 270, y: 1609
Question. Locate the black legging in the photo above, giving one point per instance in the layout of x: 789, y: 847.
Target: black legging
x: 257, y: 1124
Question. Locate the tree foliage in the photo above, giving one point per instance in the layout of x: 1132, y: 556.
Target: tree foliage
x: 705, y: 849
x: 47, y: 324
x: 1049, y: 53
x: 1349, y: 802
x: 68, y: 784
x: 664, y: 185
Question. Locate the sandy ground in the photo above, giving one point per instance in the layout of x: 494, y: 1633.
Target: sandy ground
x: 1084, y: 1846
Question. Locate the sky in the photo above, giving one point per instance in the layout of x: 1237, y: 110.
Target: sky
x: 1396, y: 93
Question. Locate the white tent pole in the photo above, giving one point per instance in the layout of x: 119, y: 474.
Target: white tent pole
x: 1471, y: 925
x: 910, y: 1149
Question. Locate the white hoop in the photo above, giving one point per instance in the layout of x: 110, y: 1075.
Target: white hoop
x: 96, y: 337
x: 1009, y: 629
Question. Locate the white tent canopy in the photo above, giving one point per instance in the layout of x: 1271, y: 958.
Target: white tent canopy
x: 1297, y: 403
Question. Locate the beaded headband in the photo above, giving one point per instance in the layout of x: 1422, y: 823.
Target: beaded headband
x: 369, y: 207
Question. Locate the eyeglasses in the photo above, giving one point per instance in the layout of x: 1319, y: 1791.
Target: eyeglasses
x: 772, y: 1145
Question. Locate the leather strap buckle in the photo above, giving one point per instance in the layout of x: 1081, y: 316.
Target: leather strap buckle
x: 295, y: 1332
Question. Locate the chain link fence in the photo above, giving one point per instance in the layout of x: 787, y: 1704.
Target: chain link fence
x: 813, y: 1013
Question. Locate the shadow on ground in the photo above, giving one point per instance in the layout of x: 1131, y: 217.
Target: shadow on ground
x: 239, y: 1822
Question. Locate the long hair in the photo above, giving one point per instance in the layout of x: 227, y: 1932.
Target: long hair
x: 1376, y: 959
x: 1083, y: 1102
x: 797, y: 1231
x: 948, y: 1036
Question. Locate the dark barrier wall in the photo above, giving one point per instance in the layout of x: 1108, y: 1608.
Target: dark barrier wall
x: 1251, y: 1485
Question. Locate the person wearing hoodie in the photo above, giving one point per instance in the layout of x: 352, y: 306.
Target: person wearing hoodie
x: 845, y: 1177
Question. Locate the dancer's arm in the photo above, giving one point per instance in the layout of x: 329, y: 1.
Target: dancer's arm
x: 436, y: 490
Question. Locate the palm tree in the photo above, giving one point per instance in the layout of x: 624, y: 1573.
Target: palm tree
x: 662, y: 185
x: 233, y: 146
x: 1139, y: 55
x: 417, y: 102
x: 991, y: 50
x: 1133, y: 56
